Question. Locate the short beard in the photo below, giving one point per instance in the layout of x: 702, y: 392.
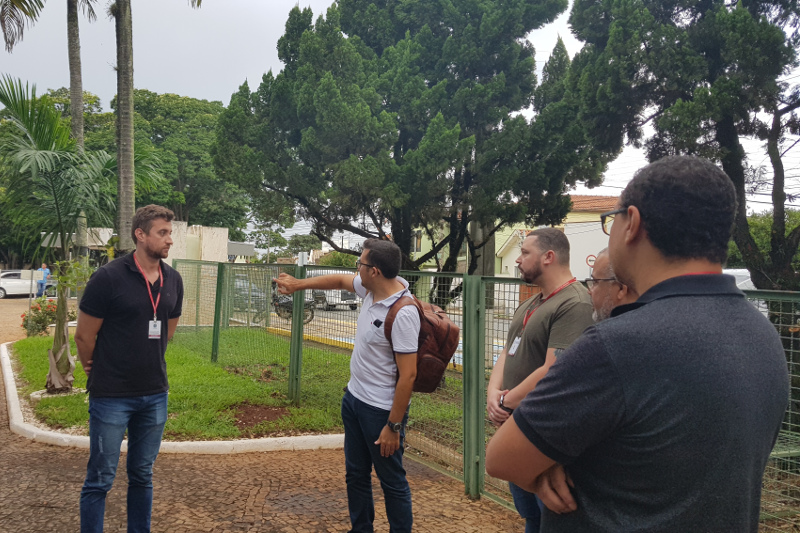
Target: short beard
x: 531, y: 277
x: 598, y: 315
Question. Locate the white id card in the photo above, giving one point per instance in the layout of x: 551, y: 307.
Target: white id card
x: 154, y: 329
x: 514, y: 345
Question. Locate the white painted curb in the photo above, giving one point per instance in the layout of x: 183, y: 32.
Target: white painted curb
x: 271, y: 444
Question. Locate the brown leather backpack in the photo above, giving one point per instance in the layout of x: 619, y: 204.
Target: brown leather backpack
x: 438, y: 340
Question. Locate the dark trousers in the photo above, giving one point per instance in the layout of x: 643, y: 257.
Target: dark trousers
x: 363, y: 424
x: 529, y: 507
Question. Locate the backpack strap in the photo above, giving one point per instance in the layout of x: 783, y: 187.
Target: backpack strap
x: 401, y: 302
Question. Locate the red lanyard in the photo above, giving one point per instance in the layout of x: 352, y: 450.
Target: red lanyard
x: 529, y: 313
x: 147, y: 282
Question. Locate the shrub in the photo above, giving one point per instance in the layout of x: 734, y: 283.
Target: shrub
x: 41, y: 314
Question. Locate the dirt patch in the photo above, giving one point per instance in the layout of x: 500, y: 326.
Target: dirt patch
x: 10, y: 319
x: 249, y: 418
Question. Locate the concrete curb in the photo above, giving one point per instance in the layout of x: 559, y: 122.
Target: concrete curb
x: 18, y: 426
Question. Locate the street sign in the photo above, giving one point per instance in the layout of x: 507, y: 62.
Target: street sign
x: 590, y: 259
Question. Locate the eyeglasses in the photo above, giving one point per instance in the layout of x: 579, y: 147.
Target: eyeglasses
x: 359, y: 264
x: 591, y: 282
x: 606, y: 219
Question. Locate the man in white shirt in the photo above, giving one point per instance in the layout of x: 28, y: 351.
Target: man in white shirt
x: 376, y: 399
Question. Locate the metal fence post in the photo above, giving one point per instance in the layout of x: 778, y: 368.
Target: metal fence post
x: 474, y: 388
x: 222, y: 274
x: 296, y: 347
x: 198, y: 292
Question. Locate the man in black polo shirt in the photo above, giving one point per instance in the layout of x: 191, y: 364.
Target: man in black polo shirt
x: 665, y: 414
x: 128, y: 312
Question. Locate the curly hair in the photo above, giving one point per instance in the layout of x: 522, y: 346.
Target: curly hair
x: 687, y: 205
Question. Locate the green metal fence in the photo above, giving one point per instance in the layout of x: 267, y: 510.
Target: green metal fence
x: 229, y: 313
x: 780, y: 500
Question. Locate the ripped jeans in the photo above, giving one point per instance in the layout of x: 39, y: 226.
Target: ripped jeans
x: 144, y: 418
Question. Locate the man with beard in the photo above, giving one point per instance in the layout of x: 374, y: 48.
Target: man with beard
x: 129, y: 310
x: 542, y: 327
x: 606, y: 290
x: 664, y: 416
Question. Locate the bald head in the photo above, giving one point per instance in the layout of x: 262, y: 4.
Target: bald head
x: 606, y: 291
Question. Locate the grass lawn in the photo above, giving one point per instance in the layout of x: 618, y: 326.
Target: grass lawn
x: 252, y: 370
x: 203, y: 396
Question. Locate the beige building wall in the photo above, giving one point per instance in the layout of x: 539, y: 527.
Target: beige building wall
x: 178, y: 250
x: 199, y: 242
x: 213, y: 243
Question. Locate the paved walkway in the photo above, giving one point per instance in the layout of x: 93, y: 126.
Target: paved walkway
x: 293, y: 491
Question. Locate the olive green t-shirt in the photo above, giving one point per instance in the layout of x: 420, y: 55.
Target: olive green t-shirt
x: 556, y: 323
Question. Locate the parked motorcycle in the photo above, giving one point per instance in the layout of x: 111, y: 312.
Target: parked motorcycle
x: 283, y: 304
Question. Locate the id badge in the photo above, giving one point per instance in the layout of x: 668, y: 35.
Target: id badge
x: 154, y: 329
x: 514, y: 345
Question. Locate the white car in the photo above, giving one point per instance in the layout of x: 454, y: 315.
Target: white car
x: 742, y: 276
x: 329, y: 300
x: 14, y: 282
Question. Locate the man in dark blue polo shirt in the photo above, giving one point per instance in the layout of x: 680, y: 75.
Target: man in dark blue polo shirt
x: 128, y: 312
x: 665, y: 414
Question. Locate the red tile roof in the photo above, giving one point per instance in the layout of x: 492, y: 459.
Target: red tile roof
x: 593, y: 203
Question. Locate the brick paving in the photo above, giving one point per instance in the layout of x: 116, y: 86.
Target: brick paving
x: 292, y: 492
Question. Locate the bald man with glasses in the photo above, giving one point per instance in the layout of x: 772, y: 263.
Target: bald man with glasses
x: 606, y: 290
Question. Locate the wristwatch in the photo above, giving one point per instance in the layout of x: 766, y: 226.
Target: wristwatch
x: 395, y: 426
x: 503, y: 407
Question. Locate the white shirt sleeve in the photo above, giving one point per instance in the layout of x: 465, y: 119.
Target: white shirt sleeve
x: 358, y: 287
x: 405, y: 330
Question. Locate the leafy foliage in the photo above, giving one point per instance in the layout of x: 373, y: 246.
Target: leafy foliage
x: 301, y: 243
x: 761, y: 229
x: 338, y: 259
x: 391, y: 117
x: 704, y: 74
x: 41, y: 314
x: 177, y: 131
x: 14, y: 15
x: 50, y: 184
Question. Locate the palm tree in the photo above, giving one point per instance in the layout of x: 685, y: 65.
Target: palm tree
x: 75, y: 76
x: 49, y: 183
x: 14, y: 14
x: 121, y: 11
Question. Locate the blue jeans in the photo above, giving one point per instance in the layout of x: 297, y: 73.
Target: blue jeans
x: 529, y: 507
x: 144, y: 417
x: 40, y: 286
x: 362, y: 427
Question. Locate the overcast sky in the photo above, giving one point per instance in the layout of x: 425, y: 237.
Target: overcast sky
x: 205, y: 53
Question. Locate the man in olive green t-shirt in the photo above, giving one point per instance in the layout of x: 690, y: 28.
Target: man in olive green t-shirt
x: 542, y: 327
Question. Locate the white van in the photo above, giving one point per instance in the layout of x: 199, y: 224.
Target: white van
x: 330, y: 300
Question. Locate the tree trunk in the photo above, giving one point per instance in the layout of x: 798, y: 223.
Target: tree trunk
x: 125, y: 184
x: 733, y: 164
x: 62, y: 363
x: 75, y: 79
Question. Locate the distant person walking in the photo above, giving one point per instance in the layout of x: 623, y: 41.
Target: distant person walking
x: 376, y: 400
x: 129, y: 310
x: 41, y: 284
